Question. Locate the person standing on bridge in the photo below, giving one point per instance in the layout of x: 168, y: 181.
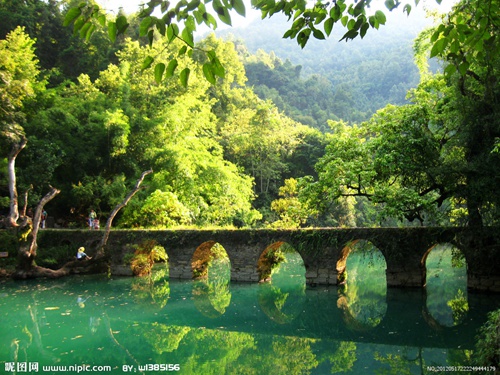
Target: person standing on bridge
x: 92, y: 218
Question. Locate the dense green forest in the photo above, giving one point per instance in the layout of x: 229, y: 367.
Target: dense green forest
x: 377, y: 141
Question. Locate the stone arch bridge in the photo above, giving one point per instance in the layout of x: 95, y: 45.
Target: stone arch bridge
x: 323, y: 250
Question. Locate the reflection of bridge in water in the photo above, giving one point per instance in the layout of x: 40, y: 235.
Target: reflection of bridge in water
x: 404, y: 323
x: 323, y: 250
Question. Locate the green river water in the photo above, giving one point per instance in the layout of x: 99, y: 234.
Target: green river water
x: 103, y: 325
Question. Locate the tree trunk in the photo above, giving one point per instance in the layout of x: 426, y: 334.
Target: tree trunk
x: 29, y: 230
x: 475, y: 218
x: 27, y: 253
x: 104, y: 240
x: 11, y: 220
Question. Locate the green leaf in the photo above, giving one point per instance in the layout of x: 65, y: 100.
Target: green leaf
x: 147, y: 63
x: 182, y: 51
x: 437, y: 33
x: 319, y: 17
x: 164, y: 6
x: 84, y: 29
x: 350, y: 24
x: 222, y: 12
x: 217, y: 67
x: 390, y: 4
x: 102, y: 20
x: 380, y: 17
x: 151, y: 36
x: 450, y: 70
x: 328, y: 26
x: 89, y: 32
x: 193, y: 5
x: 359, y: 8
x: 190, y: 24
x: 303, y: 37
x: 439, y: 47
x: 172, y: 31
x: 160, y: 25
x: 351, y: 34
x: 72, y: 14
x: 112, y: 31
x: 318, y: 34
x: 335, y: 12
x: 144, y: 27
x: 239, y: 7
x: 159, y: 69
x: 364, y: 29
x: 288, y: 34
x: 454, y: 46
x: 121, y: 24
x: 209, y: 73
x: 78, y: 24
x: 210, y: 20
x: 172, y: 65
x: 187, y: 36
x: 373, y: 22
x: 184, y: 76
x: 463, y: 67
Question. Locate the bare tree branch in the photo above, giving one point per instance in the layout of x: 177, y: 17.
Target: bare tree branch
x: 38, y: 216
x: 100, y: 249
x: 26, y: 193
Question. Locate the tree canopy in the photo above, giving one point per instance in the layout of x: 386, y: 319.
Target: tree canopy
x: 222, y: 156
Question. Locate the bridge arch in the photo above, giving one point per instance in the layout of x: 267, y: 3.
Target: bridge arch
x: 272, y: 256
x: 458, y: 256
x: 204, y: 255
x: 359, y: 245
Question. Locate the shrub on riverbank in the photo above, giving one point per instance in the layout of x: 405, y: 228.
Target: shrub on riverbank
x: 488, y: 344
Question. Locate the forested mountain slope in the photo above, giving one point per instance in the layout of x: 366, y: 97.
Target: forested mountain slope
x: 329, y: 79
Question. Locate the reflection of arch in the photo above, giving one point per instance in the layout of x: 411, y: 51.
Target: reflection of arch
x: 203, y: 256
x: 350, y: 321
x: 271, y: 257
x: 279, y: 305
x: 211, y: 299
x: 446, y: 303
